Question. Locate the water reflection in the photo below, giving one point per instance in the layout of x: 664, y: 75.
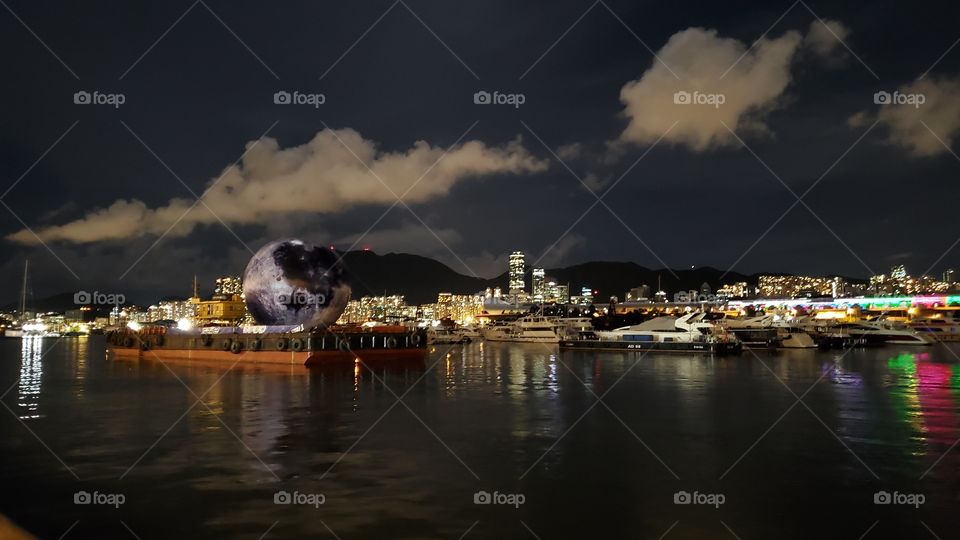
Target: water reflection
x: 926, y: 398
x: 31, y: 372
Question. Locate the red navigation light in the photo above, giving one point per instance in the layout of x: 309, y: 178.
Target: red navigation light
x: 366, y: 248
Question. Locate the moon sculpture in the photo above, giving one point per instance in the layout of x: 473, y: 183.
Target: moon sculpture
x: 290, y: 282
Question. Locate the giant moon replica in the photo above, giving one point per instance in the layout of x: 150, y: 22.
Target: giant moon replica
x: 289, y: 282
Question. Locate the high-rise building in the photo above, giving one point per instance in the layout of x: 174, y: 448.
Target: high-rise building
x: 538, y: 284
x: 898, y: 272
x: 517, y: 264
x: 949, y: 276
x: 228, y: 286
x: 556, y: 293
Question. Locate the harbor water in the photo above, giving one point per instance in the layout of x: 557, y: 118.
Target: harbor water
x: 483, y: 440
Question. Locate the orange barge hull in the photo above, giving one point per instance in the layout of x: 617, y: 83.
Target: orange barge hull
x: 303, y: 348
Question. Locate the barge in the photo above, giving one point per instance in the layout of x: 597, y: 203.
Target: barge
x: 290, y: 345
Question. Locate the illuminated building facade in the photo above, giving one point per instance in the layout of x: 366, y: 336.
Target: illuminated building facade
x: 228, y: 286
x: 517, y: 264
x: 793, y: 286
x: 899, y: 282
x: 556, y: 293
x: 538, y: 285
x: 734, y: 290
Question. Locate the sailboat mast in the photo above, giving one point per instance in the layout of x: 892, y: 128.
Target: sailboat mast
x: 23, y: 290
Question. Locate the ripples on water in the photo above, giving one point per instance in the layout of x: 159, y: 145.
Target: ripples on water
x: 798, y: 442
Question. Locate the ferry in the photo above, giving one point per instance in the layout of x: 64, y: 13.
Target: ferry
x: 270, y: 344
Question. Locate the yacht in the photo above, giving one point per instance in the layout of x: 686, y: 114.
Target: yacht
x: 764, y: 331
x: 445, y: 335
x: 470, y: 332
x: 529, y: 329
x: 938, y: 328
x: 573, y: 326
x: 879, y: 333
x: 662, y: 334
x: 496, y: 331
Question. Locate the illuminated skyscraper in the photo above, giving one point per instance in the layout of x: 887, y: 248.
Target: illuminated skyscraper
x: 517, y: 264
x: 898, y: 272
x: 949, y: 276
x: 228, y: 286
x: 538, y: 284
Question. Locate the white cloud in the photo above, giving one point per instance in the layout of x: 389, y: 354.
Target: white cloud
x: 825, y: 37
x: 940, y: 111
x: 750, y: 82
x: 321, y: 176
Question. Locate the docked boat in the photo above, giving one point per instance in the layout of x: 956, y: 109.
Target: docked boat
x: 270, y: 344
x: 445, y: 335
x: 660, y: 334
x: 937, y: 328
x: 874, y: 333
x: 762, y: 331
x: 470, y: 332
x: 529, y: 329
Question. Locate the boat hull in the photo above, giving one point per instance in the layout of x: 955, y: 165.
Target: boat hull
x: 301, y: 348
x: 718, y: 348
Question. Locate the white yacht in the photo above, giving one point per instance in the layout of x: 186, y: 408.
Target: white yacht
x: 444, y: 334
x: 529, y: 329
x: 765, y: 330
x: 938, y: 328
x: 661, y: 334
x: 573, y: 326
x: 470, y: 332
x: 880, y: 333
x: 660, y: 330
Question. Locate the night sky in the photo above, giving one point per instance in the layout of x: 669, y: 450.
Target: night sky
x: 111, y: 191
